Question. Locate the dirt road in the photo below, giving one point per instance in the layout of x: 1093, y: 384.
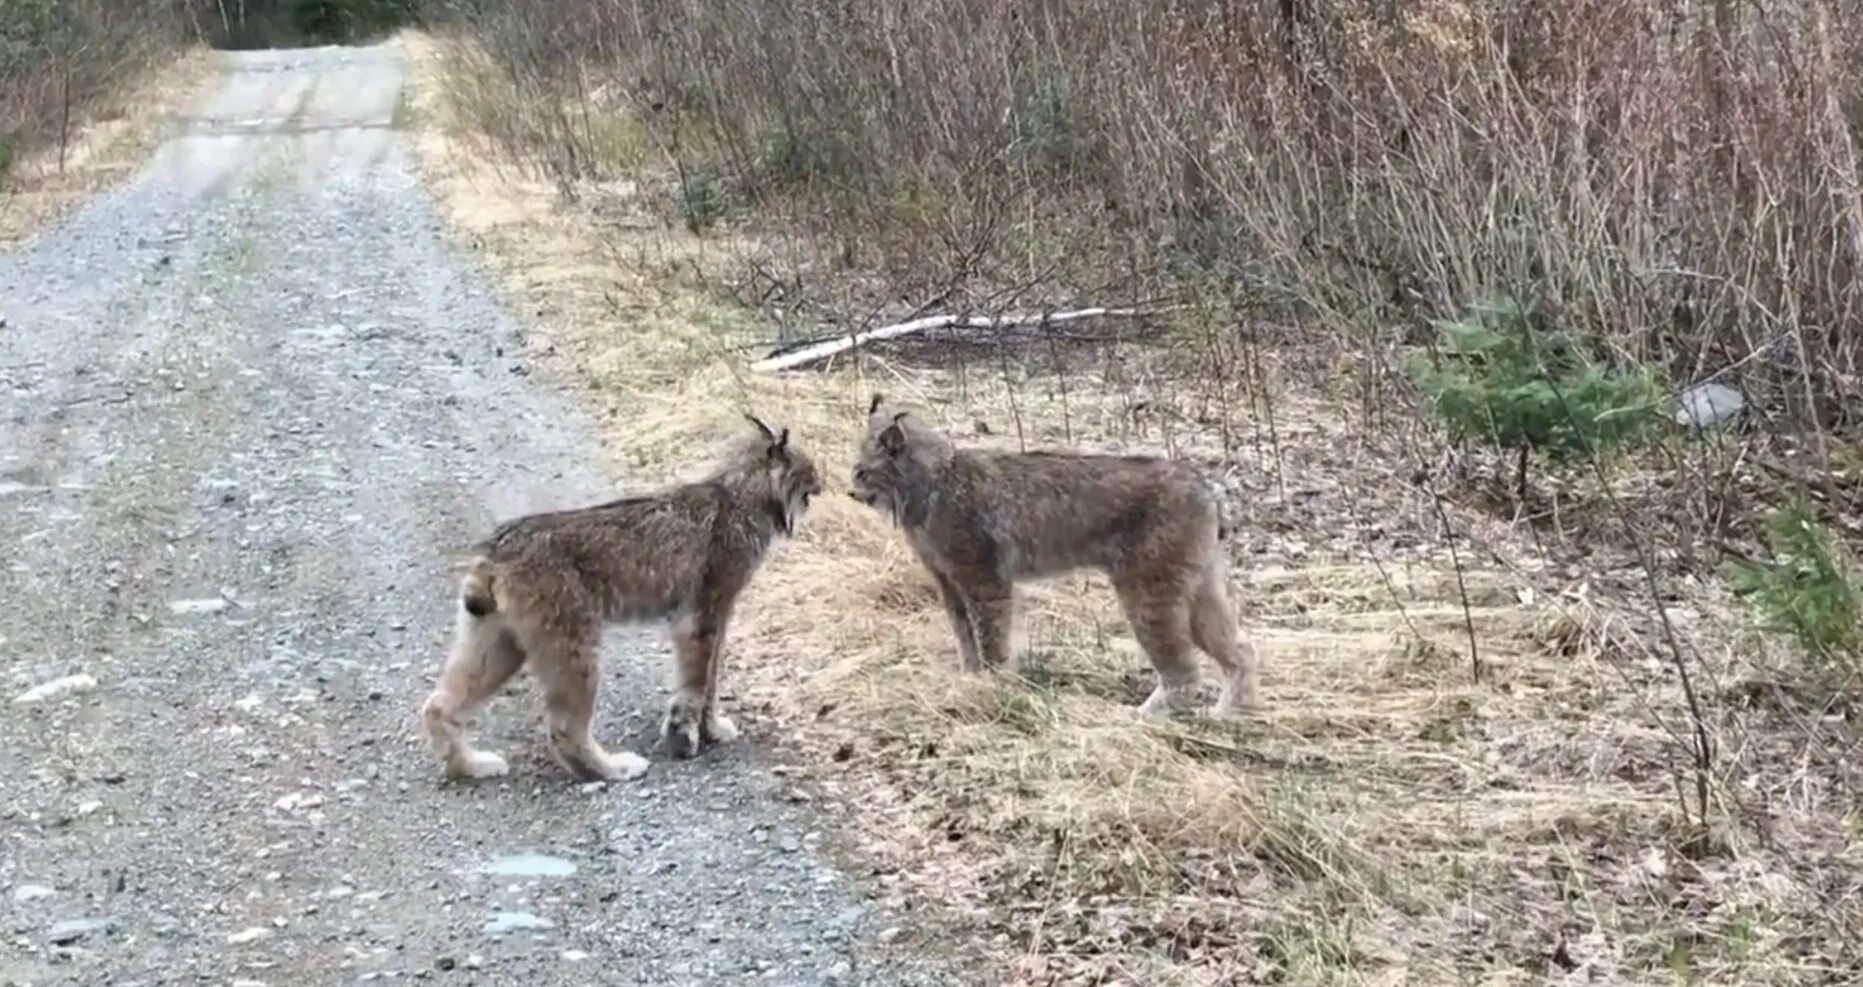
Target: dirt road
x: 252, y: 409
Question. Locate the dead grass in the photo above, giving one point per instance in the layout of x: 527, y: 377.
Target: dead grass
x: 111, y: 138
x: 1391, y: 820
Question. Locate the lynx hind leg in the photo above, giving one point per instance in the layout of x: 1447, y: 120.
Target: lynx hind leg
x: 484, y: 658
x: 568, y: 670
x: 1160, y: 618
x: 1213, y: 628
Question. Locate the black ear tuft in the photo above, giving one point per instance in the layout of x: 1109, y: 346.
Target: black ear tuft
x: 874, y: 407
x: 781, y: 445
x: 762, y: 429
x: 893, y: 440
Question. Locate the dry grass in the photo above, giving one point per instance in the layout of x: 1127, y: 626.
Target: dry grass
x: 110, y: 138
x: 1390, y: 820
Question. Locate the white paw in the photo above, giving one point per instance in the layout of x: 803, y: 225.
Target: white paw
x: 625, y: 766
x: 480, y: 765
x: 1161, y: 704
x: 721, y: 730
x: 1232, y: 706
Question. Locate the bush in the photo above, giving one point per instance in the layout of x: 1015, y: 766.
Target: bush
x: 348, y: 20
x: 1508, y: 379
x: 701, y: 197
x: 1806, y: 590
x: 57, y: 58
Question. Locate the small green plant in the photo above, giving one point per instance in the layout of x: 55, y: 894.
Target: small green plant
x: 791, y: 156
x: 700, y: 197
x: 1059, y: 133
x: 1506, y: 377
x: 1806, y: 590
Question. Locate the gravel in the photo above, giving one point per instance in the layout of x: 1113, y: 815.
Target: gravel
x: 252, y: 409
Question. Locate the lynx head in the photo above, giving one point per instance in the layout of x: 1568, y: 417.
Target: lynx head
x: 784, y: 475
x: 896, y: 462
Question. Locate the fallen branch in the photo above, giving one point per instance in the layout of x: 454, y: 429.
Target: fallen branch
x: 841, y: 344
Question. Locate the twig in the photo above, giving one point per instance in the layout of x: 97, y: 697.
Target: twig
x: 1455, y: 559
x: 842, y: 344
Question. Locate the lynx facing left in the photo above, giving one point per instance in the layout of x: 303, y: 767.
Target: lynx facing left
x: 544, y: 585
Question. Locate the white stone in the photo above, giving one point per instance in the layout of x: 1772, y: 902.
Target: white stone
x: 23, y: 893
x: 63, y: 686
x: 1707, y: 405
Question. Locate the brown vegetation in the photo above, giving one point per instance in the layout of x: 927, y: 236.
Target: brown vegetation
x: 1504, y: 745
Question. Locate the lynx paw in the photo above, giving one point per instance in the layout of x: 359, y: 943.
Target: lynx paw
x: 719, y: 729
x: 1162, y: 703
x: 624, y: 766
x: 680, y: 730
x: 478, y: 766
x: 1240, y: 707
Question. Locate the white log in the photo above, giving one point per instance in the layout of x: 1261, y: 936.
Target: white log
x: 841, y: 344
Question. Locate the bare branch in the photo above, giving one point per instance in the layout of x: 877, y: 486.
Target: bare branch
x: 841, y: 344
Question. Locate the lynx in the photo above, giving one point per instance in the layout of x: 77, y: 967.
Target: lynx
x: 543, y: 586
x: 984, y: 520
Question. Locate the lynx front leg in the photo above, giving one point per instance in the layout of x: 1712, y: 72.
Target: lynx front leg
x: 961, y: 625
x: 690, y: 716
x: 715, y: 727
x: 1214, y: 630
x: 992, y: 609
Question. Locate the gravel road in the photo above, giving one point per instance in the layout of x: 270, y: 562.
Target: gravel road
x: 253, y: 407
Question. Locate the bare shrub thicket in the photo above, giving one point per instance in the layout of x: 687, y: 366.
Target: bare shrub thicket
x: 56, y: 58
x: 1682, y: 177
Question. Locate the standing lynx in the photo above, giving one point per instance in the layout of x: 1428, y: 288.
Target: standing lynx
x: 544, y: 585
x: 983, y: 520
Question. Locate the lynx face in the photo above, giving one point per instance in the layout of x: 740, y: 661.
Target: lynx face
x: 880, y: 470
x: 797, y: 482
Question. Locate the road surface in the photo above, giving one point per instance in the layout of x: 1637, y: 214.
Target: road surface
x: 253, y: 407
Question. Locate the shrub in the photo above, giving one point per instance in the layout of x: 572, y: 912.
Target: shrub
x: 347, y: 20
x: 1058, y: 133
x: 1505, y: 377
x: 701, y: 197
x: 1806, y: 590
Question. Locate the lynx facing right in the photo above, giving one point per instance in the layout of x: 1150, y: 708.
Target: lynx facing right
x: 983, y: 520
x: 543, y: 586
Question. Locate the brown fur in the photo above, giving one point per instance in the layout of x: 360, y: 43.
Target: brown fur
x: 983, y: 520
x: 543, y: 586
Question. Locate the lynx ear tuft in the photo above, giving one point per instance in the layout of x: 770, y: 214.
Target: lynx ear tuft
x: 893, y: 440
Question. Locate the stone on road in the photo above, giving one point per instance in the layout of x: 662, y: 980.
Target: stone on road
x: 255, y: 410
